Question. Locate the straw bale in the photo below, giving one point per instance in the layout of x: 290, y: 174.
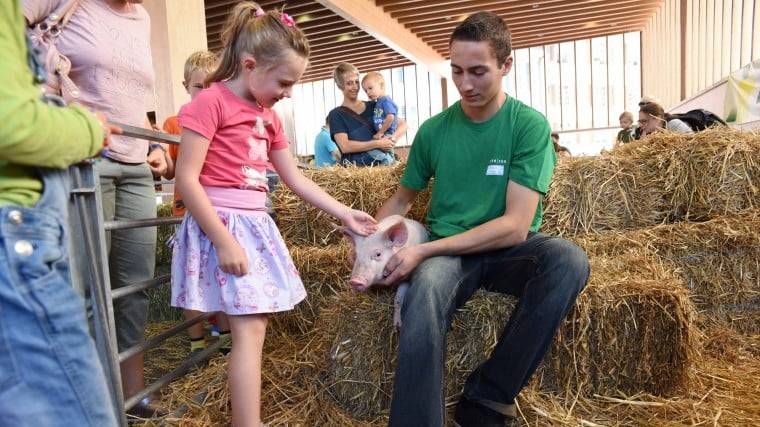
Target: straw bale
x: 719, y: 260
x: 163, y: 251
x: 363, y: 188
x: 612, y: 341
x: 663, y: 178
x: 324, y: 272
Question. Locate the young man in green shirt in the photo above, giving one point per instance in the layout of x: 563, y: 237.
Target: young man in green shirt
x: 492, y: 160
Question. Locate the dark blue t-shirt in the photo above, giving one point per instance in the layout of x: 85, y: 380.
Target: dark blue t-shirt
x: 357, y: 130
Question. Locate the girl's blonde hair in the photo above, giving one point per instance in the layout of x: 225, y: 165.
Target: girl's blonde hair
x: 268, y: 36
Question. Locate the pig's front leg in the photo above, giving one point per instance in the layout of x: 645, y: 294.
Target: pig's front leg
x: 398, y: 301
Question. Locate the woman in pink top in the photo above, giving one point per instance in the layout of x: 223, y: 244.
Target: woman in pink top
x: 108, y: 44
x: 228, y: 254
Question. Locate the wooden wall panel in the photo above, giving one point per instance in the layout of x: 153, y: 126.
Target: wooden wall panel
x: 720, y: 36
x: 736, y: 34
x: 756, y: 32
x: 747, y: 12
x: 725, y: 61
x: 710, y: 52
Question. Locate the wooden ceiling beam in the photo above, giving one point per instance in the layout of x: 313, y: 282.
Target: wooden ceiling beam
x: 552, y: 19
x: 366, y: 15
x: 524, y: 9
x: 531, y: 41
x: 398, y: 9
x: 453, y: 7
x: 549, y: 29
x: 337, y: 51
x: 353, y: 55
x: 302, y: 9
x: 326, y: 20
x: 341, y: 44
x: 362, y: 65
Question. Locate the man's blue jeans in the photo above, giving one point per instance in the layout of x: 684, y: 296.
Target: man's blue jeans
x: 545, y: 273
x: 50, y: 374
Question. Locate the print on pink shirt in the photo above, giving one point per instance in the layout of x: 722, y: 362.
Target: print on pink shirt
x: 257, y: 141
x: 254, y: 180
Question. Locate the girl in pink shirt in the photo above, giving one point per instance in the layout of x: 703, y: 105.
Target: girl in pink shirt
x: 228, y: 254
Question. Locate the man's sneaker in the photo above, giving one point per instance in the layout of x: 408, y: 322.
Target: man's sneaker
x: 471, y: 414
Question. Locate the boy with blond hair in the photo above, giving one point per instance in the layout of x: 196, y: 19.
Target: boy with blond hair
x: 197, y: 67
x: 385, y: 114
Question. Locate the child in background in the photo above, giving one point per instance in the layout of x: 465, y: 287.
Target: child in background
x: 228, y: 254
x: 626, y: 133
x: 385, y: 115
x: 197, y: 67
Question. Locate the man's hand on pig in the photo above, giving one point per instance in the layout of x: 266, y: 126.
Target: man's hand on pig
x: 359, y: 222
x: 401, y: 265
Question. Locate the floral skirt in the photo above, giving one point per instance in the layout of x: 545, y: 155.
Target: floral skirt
x: 271, y: 285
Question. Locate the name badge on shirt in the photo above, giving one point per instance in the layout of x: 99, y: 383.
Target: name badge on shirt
x: 497, y: 170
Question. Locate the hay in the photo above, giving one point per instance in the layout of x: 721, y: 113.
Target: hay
x: 719, y: 259
x: 611, y: 342
x: 724, y: 392
x: 324, y: 272
x: 163, y: 251
x: 169, y: 354
x: 664, y: 178
x: 364, y: 188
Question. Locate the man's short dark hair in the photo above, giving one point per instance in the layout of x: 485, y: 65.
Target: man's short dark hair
x: 486, y: 26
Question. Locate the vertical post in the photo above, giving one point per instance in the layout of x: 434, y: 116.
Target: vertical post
x: 682, y: 72
x: 444, y: 94
x: 91, y: 264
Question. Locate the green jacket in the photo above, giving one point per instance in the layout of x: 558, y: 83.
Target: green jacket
x: 34, y: 134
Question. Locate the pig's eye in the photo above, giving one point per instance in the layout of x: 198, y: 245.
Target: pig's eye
x: 377, y: 255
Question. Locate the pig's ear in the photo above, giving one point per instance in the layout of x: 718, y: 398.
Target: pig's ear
x: 397, y: 234
x: 350, y: 235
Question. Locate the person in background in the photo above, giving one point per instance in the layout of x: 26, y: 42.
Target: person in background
x: 653, y: 118
x: 50, y: 373
x: 197, y: 67
x: 108, y: 44
x: 560, y: 150
x: 326, y: 152
x: 646, y: 99
x: 627, y: 130
x: 351, y: 123
x: 384, y: 116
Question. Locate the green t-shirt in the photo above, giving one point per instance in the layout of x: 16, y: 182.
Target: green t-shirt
x: 472, y: 163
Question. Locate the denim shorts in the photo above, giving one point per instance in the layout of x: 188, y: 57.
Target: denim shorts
x: 50, y: 374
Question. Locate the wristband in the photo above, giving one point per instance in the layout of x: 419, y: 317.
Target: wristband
x: 152, y: 147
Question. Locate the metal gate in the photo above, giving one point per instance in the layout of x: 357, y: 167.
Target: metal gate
x: 90, y: 276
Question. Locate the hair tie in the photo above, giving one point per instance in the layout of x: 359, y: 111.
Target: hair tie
x: 287, y: 20
x: 260, y: 12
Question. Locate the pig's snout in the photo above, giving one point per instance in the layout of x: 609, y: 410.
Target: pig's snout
x: 358, y: 283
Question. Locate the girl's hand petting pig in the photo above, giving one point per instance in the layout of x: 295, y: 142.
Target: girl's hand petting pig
x: 359, y: 222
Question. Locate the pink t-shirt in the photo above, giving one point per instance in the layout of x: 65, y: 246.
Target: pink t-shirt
x: 241, y: 135
x: 110, y: 63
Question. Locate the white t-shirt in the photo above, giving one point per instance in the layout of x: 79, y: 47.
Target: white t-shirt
x: 678, y: 126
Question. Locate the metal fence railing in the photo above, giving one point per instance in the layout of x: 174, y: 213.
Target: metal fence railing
x: 90, y: 276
